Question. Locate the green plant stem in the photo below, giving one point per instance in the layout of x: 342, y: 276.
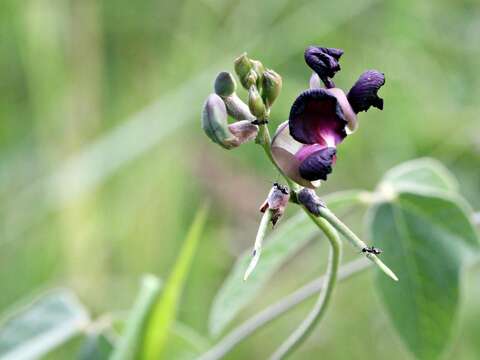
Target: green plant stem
x: 316, y: 314
x: 329, y: 224
x: 273, y: 311
x: 257, y: 248
x: 350, y: 235
x: 264, y: 140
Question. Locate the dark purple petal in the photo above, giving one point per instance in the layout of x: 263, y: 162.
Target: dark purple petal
x: 324, y: 61
x: 318, y: 165
x: 316, y: 117
x: 364, y: 93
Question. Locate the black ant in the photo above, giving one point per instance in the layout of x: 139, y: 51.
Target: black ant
x: 259, y: 122
x: 283, y: 189
x: 372, y: 250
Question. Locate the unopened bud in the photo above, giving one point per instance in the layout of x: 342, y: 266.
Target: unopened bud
x: 271, y: 86
x: 225, y: 84
x: 215, y: 124
x: 237, y: 109
x: 259, y: 70
x: 255, y: 103
x: 242, y: 67
x: 214, y: 121
x: 250, y: 80
x: 310, y: 200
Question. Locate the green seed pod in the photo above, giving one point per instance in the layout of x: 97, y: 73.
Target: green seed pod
x: 242, y: 67
x: 271, y: 86
x: 225, y: 84
x: 255, y: 103
x: 214, y: 121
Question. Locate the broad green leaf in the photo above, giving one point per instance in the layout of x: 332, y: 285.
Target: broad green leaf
x: 164, y: 311
x: 423, y: 173
x: 95, y: 346
x: 184, y: 343
x: 422, y: 237
x: 46, y: 323
x: 287, y: 239
x: 129, y: 344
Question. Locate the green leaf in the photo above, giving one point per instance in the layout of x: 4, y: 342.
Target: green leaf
x: 164, y: 310
x: 129, y: 344
x: 95, y: 346
x: 235, y: 293
x: 422, y: 237
x: 423, y: 173
x: 184, y: 343
x: 41, y: 326
x: 287, y: 239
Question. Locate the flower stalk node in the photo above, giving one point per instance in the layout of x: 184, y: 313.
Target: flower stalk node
x: 310, y: 200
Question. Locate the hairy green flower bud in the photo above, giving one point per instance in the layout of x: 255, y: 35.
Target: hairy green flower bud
x: 242, y: 67
x: 259, y: 70
x: 255, y: 103
x: 271, y: 86
x: 214, y: 121
x: 237, y: 109
x: 215, y: 124
x: 225, y: 84
x: 250, y: 80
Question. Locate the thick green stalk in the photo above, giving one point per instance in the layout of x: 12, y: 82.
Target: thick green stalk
x: 359, y: 244
x: 316, y: 314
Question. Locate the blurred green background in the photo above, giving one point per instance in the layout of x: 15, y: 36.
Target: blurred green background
x: 103, y: 162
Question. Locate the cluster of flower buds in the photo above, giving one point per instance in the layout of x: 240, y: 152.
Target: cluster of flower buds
x: 263, y: 86
x: 276, y: 202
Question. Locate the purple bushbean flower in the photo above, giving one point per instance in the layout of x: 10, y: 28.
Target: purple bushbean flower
x: 305, y: 146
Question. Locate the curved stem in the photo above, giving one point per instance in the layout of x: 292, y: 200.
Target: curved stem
x: 272, y: 312
x: 264, y: 140
x: 359, y: 244
x: 305, y: 328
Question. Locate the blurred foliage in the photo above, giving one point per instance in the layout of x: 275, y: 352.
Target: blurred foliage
x: 103, y: 163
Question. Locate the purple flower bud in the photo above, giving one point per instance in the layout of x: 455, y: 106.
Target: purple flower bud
x: 216, y: 127
x: 310, y: 200
x: 364, y: 93
x: 324, y: 61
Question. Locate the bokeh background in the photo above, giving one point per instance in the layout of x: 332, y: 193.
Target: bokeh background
x: 103, y: 162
